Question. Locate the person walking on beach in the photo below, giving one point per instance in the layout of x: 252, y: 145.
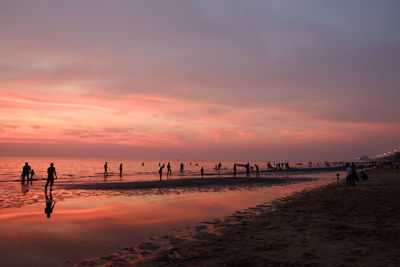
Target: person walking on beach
x: 160, y: 171
x: 25, y: 171
x: 349, y: 177
x: 257, y: 170
x: 51, y: 174
x: 120, y: 169
x: 169, y: 171
x: 354, y: 172
x: 202, y: 171
x: 105, y: 168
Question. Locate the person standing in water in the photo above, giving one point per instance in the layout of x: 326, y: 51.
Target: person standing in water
x: 160, y: 171
x: 169, y: 171
x: 257, y: 170
x: 51, y: 174
x: 25, y: 171
x: 234, y: 169
x: 32, y: 174
x: 202, y: 171
x: 105, y: 168
x: 120, y: 169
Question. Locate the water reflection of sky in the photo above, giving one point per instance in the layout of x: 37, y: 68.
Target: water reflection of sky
x: 86, y: 225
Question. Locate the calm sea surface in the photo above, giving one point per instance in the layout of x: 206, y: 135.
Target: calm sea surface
x: 91, y: 170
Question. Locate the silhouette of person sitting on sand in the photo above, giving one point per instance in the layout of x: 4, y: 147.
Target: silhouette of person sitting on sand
x: 105, y: 168
x: 48, y: 210
x: 25, y: 171
x: 51, y: 174
x: 120, y: 169
x: 161, y: 171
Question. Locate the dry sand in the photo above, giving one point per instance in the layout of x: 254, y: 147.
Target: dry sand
x: 336, y: 225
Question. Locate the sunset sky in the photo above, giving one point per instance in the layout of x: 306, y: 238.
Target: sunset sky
x: 281, y: 80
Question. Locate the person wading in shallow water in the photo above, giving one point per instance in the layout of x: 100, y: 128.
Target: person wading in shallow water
x: 169, y: 171
x: 257, y: 170
x: 120, y: 169
x: 105, y: 168
x: 25, y: 171
x: 160, y: 171
x: 51, y: 174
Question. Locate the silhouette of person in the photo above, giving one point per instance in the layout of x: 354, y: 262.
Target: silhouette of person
x: 257, y: 170
x: 25, y: 171
x: 247, y: 166
x: 337, y: 176
x: 51, y: 174
x: 49, y: 205
x: 160, y: 171
x: 349, y: 177
x: 234, y: 169
x: 182, y: 167
x: 169, y: 171
x: 202, y: 171
x: 32, y: 174
x: 219, y: 167
x: 105, y: 168
x: 120, y: 169
x: 142, y: 164
x: 354, y: 172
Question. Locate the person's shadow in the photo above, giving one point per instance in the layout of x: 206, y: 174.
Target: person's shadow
x: 50, y: 203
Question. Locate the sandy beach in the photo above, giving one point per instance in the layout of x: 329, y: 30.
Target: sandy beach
x: 336, y: 225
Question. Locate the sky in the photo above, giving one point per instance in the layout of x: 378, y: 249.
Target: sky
x: 228, y: 80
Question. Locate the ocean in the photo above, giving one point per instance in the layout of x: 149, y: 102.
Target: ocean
x: 76, y: 170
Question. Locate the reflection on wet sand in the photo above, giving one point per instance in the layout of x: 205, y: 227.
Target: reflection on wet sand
x: 114, y: 218
x: 49, y: 204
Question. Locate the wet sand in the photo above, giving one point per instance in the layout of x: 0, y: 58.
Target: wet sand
x: 188, y: 183
x: 336, y: 225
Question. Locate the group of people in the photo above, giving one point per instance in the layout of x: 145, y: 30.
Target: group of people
x: 28, y: 173
x: 352, y: 175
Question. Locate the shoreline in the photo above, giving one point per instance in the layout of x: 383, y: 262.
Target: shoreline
x: 186, y: 183
x: 334, y: 225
